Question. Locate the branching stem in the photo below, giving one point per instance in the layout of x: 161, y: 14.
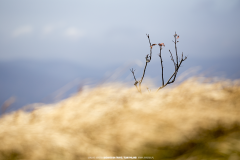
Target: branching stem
x: 160, y: 55
x: 148, y: 58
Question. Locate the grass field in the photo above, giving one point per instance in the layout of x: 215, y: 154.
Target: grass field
x: 197, y: 119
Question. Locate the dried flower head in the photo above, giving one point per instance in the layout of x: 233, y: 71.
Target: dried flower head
x: 161, y: 44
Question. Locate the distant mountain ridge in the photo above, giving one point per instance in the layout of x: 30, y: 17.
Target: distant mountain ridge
x: 38, y: 81
x: 33, y: 81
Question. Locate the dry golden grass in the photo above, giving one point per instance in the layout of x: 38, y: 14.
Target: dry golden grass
x: 194, y: 120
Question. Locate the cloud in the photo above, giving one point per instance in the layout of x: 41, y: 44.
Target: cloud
x: 48, y: 29
x: 73, y: 33
x: 27, y: 29
x: 139, y: 63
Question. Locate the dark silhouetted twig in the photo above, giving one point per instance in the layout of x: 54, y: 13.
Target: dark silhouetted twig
x: 148, y: 58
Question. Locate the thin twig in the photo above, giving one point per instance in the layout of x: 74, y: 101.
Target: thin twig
x: 140, y: 82
x: 148, y: 58
x: 175, y: 38
x: 168, y: 82
x: 160, y: 55
x: 176, y: 64
x: 147, y: 61
x: 136, y: 82
x: 133, y: 74
x: 172, y: 59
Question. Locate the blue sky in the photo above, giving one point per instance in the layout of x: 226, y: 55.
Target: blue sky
x: 101, y: 33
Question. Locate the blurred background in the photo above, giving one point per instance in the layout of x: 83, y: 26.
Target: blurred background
x: 49, y: 49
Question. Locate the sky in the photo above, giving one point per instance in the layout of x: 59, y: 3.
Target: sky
x: 101, y: 33
x: 45, y: 45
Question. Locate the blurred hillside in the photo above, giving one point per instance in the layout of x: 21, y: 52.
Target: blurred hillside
x: 198, y: 119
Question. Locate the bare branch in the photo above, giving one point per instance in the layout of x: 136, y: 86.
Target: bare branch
x: 148, y: 58
x: 172, y: 59
x: 160, y: 55
x: 150, y: 47
x: 168, y: 82
x: 133, y: 74
x: 136, y: 82
x: 177, y: 64
x: 140, y: 82
x: 175, y: 37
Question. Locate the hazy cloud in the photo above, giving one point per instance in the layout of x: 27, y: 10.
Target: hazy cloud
x: 27, y: 29
x: 118, y: 29
x: 73, y: 33
x: 48, y: 29
x: 139, y: 63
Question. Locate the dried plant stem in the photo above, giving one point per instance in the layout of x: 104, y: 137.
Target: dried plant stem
x: 175, y: 37
x: 148, y: 58
x: 160, y: 55
x: 136, y: 82
x: 176, y: 70
x: 175, y: 42
x: 140, y: 82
